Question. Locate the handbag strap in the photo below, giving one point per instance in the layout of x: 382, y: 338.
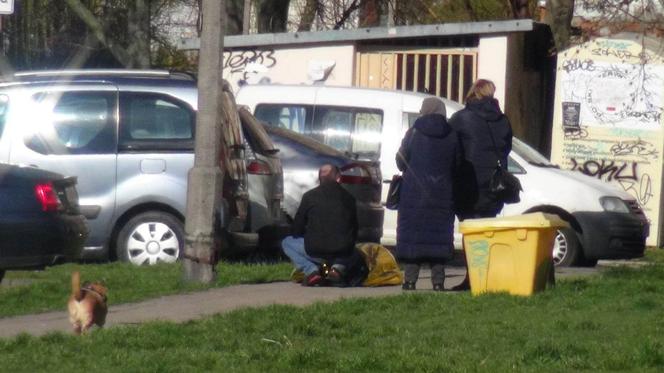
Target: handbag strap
x: 493, y: 141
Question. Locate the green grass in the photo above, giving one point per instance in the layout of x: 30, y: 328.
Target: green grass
x: 609, y: 322
x: 48, y: 290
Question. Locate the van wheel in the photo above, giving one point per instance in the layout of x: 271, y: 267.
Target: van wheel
x: 566, y: 248
x: 150, y: 238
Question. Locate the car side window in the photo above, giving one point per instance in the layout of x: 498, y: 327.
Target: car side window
x: 409, y: 119
x: 151, y: 121
x: 293, y: 117
x: 513, y: 166
x: 348, y: 129
x: 73, y: 123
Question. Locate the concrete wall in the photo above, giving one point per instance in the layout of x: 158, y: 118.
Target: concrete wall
x: 608, y: 117
x: 492, y: 63
x: 289, y: 65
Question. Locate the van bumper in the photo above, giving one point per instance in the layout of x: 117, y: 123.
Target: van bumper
x: 370, y: 220
x: 612, y: 235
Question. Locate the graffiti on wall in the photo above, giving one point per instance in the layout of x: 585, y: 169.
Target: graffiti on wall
x: 624, y: 173
x: 626, y: 93
x: 249, y: 65
x: 624, y: 162
x: 609, y: 109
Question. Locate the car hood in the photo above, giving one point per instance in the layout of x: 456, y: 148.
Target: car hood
x: 602, y: 187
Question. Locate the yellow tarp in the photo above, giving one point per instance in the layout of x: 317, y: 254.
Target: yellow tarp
x: 383, y: 267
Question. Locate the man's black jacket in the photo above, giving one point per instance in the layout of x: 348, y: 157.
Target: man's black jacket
x: 327, y: 218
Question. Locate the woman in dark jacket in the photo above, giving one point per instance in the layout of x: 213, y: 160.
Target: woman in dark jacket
x: 429, y: 156
x: 486, y: 137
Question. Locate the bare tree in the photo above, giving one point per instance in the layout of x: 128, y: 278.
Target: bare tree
x: 137, y: 53
x: 595, y: 17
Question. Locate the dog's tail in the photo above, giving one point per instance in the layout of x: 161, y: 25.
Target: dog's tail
x: 76, y: 286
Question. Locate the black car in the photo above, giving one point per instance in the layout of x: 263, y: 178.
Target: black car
x: 40, y: 222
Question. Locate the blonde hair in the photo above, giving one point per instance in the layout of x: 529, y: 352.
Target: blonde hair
x: 480, y: 89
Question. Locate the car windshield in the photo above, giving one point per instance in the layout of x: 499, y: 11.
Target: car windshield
x: 529, y: 154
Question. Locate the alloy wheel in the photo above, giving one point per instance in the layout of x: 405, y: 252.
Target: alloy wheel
x: 560, y: 248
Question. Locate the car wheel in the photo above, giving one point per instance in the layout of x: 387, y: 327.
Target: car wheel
x: 151, y: 238
x: 566, y: 247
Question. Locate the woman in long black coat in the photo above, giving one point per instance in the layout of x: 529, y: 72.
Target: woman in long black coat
x: 486, y: 137
x: 429, y: 156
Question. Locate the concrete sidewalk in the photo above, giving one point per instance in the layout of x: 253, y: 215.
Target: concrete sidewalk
x: 184, y: 307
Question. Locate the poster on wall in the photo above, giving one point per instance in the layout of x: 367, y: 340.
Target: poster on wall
x: 571, y: 115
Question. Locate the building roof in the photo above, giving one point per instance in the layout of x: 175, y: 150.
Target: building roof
x: 373, y: 33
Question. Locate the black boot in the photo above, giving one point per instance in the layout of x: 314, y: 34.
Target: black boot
x: 408, y: 286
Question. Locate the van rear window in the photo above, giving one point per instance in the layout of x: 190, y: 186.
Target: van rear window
x: 4, y: 106
x: 347, y: 129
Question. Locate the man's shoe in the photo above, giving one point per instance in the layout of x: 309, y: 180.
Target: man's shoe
x: 334, y: 278
x: 438, y: 287
x: 408, y: 286
x: 465, y: 285
x: 314, y: 279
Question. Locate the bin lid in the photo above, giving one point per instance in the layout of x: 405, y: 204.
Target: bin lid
x: 532, y: 220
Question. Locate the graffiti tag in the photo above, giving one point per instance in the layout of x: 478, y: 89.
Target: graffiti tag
x: 576, y: 64
x: 635, y: 147
x: 236, y: 61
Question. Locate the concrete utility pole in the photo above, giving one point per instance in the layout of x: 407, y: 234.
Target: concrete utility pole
x: 206, y: 178
x: 246, y: 17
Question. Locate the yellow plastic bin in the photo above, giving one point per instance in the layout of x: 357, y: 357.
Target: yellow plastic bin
x: 511, y: 254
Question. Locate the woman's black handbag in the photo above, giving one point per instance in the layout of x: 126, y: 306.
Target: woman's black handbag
x: 393, y: 192
x: 505, y: 186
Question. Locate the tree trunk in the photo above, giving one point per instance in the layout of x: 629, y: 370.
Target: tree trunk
x: 520, y: 9
x: 272, y: 15
x: 308, y: 15
x: 246, y: 18
x: 559, y: 18
x: 138, y: 27
x: 369, y: 13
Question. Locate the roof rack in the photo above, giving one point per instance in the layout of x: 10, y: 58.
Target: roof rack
x: 84, y: 72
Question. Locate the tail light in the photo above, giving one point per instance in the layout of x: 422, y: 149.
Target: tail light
x: 257, y: 167
x: 357, y: 173
x: 46, y: 196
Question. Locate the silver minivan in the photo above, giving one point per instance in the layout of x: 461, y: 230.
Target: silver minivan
x: 129, y: 138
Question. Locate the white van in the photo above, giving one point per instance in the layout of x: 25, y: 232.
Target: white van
x: 370, y: 123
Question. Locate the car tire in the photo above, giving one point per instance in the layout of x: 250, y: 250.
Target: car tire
x: 150, y: 238
x: 566, y: 248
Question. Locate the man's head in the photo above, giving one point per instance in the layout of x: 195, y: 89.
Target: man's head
x: 328, y: 174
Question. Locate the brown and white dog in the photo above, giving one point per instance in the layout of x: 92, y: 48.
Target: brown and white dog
x: 87, y: 304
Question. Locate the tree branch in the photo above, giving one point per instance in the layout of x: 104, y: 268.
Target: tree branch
x: 98, y: 30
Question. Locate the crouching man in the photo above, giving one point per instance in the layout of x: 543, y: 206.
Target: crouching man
x: 324, y: 231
